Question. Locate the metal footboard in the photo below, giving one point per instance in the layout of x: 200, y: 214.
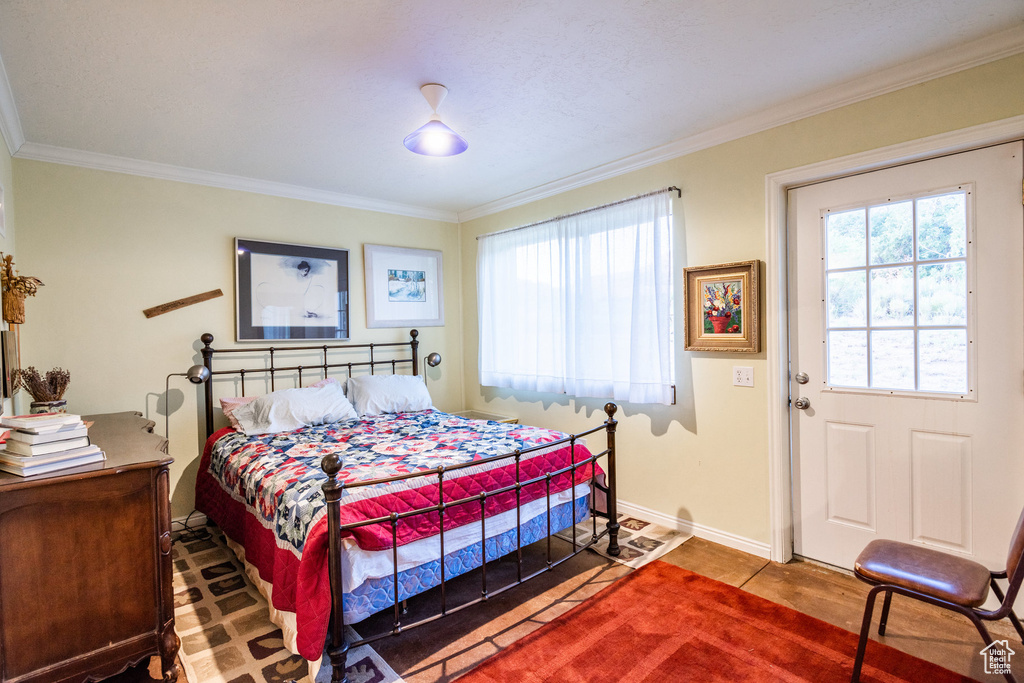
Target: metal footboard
x: 338, y: 646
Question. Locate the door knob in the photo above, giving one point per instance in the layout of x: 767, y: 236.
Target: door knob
x: 801, y: 378
x: 803, y: 403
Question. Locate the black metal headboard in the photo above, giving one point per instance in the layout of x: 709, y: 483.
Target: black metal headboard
x: 322, y: 366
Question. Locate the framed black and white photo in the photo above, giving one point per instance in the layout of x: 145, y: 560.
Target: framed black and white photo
x: 404, y: 287
x: 290, y: 291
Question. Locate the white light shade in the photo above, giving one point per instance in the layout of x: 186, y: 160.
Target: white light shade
x: 434, y: 138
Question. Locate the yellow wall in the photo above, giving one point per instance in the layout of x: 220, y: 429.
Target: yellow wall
x: 705, y: 459
x: 109, y: 245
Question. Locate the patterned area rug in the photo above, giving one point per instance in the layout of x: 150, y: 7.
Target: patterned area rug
x: 640, y: 541
x: 225, y: 629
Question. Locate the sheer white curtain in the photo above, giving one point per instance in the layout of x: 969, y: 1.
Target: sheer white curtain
x: 581, y: 305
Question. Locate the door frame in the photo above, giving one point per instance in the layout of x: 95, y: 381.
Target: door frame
x: 777, y: 186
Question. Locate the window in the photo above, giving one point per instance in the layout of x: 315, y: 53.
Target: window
x: 581, y: 304
x: 896, y: 277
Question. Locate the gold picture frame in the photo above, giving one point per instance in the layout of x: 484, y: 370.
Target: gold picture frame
x: 11, y: 362
x: 723, y: 309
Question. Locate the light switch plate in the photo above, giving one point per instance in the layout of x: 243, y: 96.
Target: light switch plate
x: 742, y: 376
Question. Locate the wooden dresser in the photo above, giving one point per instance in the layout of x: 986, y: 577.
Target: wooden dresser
x: 85, y: 562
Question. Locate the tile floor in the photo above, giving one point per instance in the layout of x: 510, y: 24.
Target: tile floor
x: 443, y: 650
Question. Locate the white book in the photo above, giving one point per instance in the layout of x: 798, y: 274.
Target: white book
x: 71, y: 431
x: 21, y: 448
x: 27, y: 460
x: 32, y: 470
x: 41, y: 423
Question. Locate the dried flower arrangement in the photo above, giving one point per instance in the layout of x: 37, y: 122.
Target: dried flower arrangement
x: 49, y: 387
x: 15, y: 288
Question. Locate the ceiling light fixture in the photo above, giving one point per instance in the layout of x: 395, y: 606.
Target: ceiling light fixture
x: 434, y: 139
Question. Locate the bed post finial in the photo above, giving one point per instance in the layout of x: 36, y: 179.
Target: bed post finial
x: 207, y: 352
x: 338, y: 647
x: 331, y: 465
x: 613, y: 503
x: 415, y: 345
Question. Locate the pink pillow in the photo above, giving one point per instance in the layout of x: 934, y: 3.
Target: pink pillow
x: 228, y: 405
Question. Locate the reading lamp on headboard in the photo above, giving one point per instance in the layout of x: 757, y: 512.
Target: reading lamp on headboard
x: 433, y: 360
x: 197, y: 374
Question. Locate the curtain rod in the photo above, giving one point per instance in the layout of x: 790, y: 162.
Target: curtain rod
x: 673, y: 188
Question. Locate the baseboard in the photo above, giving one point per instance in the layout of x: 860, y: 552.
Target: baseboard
x: 195, y: 519
x: 699, y: 530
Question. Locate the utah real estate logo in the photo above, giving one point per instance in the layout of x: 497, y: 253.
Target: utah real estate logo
x: 997, y: 657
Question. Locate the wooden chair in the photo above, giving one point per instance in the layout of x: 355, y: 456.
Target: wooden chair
x: 938, y: 578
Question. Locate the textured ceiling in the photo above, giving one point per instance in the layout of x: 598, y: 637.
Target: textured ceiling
x: 320, y: 93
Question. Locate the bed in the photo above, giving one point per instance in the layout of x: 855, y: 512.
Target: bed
x: 340, y: 519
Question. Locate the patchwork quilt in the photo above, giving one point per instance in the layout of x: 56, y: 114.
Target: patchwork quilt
x: 265, y: 493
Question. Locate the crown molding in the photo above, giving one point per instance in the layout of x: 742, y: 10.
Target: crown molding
x: 10, y: 122
x: 152, y: 169
x: 976, y: 53
x: 1004, y: 44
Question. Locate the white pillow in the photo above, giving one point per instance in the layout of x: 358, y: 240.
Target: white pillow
x: 376, y: 394
x: 229, y: 404
x: 289, y: 409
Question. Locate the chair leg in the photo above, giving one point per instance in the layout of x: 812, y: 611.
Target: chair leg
x: 885, y: 613
x: 1016, y: 624
x: 987, y: 638
x: 865, y: 628
x: 1013, y: 617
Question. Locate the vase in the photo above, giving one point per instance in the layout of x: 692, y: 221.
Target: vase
x: 720, y: 322
x: 58, y: 406
x: 14, y: 307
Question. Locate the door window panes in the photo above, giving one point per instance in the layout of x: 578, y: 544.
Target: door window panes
x: 942, y: 293
x: 896, y: 294
x: 892, y: 359
x: 847, y: 299
x: 944, y: 360
x: 892, y: 233
x: 845, y: 239
x: 942, y: 227
x: 892, y: 296
x: 848, y: 358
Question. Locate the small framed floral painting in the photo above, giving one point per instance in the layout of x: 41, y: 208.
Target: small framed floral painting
x: 722, y: 307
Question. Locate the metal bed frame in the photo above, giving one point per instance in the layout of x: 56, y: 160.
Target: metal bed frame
x: 337, y: 647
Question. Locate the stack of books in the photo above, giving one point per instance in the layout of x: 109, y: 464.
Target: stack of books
x: 47, y: 442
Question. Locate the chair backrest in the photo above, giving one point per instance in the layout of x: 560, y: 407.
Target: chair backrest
x: 1016, y: 548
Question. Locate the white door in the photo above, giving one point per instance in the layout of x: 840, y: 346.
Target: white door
x: 906, y: 291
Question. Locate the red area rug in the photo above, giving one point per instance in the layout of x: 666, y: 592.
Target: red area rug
x: 663, y: 623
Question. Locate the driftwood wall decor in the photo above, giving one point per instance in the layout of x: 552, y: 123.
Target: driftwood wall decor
x: 182, y: 303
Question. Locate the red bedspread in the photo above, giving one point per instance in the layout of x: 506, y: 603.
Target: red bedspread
x: 264, y: 493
